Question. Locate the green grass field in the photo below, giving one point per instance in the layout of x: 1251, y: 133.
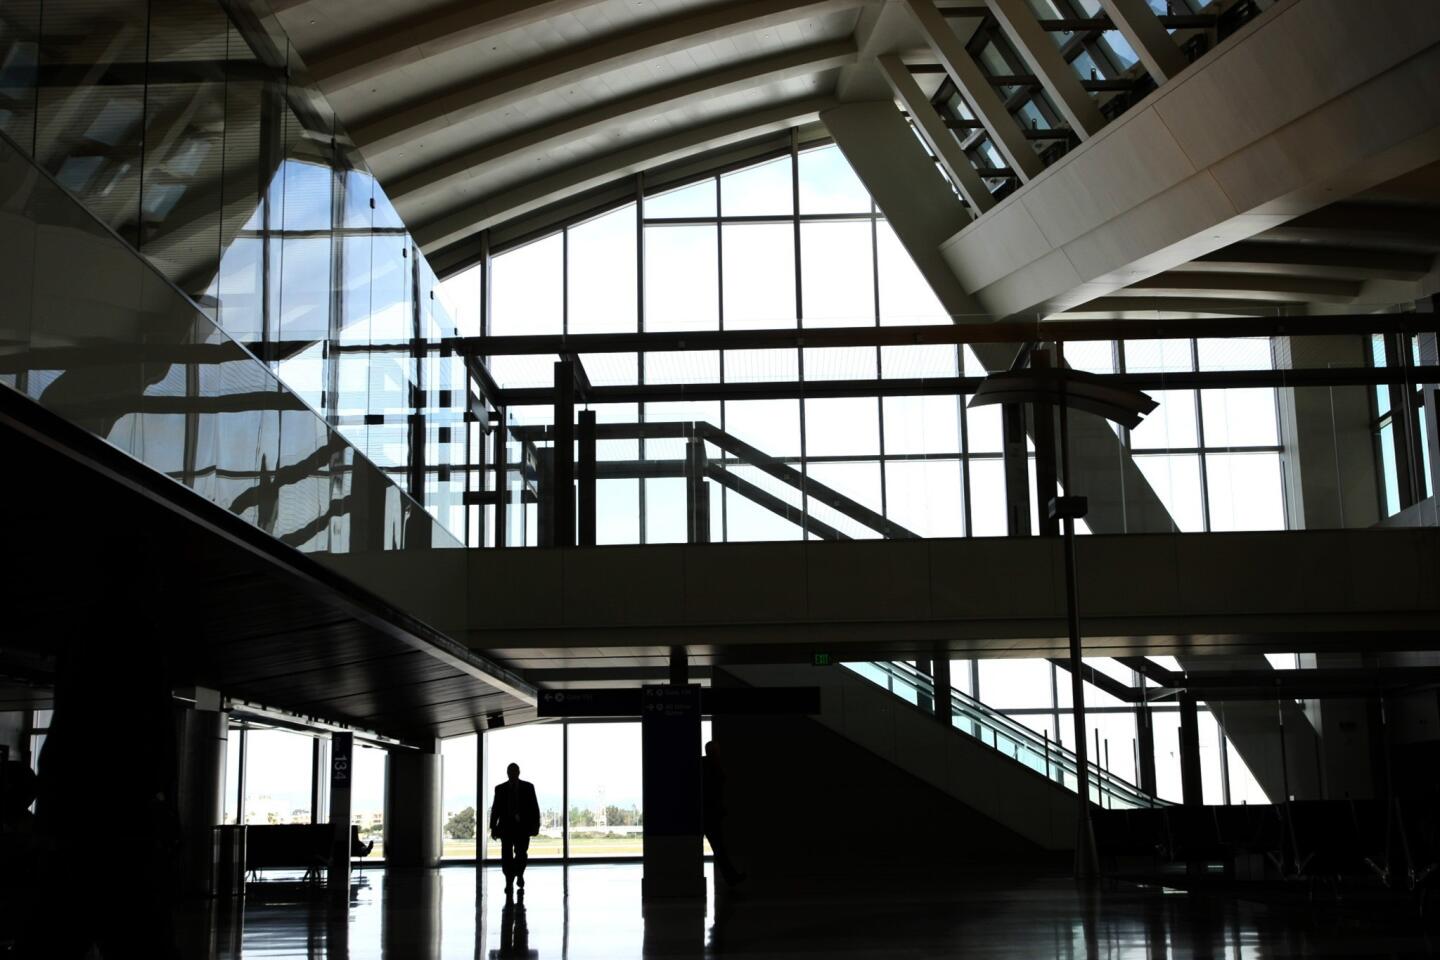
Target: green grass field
x: 550, y: 847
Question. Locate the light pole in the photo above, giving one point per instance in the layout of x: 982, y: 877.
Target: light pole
x: 1044, y: 385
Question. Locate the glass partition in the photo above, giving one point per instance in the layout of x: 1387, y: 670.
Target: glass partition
x: 199, y: 139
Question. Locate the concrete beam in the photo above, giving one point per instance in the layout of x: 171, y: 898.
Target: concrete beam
x: 1252, y: 286
x: 1040, y: 53
x: 669, y: 97
x: 1411, y: 227
x: 1255, y: 136
x: 919, y: 207
x: 977, y: 90
x: 932, y: 129
x: 418, y: 37
x: 551, y: 188
x: 1141, y: 28
x: 399, y: 125
x: 1314, y: 260
x: 907, y: 188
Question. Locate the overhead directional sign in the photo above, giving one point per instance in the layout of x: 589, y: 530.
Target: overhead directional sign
x: 589, y: 703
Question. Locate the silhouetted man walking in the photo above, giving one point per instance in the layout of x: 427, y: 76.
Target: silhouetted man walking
x: 514, y: 819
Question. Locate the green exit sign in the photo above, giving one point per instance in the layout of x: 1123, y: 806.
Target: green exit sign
x: 821, y: 660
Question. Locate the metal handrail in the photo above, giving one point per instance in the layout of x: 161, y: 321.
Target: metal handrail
x: 1058, y: 761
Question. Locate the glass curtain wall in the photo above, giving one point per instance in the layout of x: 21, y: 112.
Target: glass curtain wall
x: 270, y: 776
x: 278, y: 776
x: 795, y: 241
x: 191, y: 128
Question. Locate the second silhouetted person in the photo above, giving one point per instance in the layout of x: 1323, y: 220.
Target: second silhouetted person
x: 514, y: 819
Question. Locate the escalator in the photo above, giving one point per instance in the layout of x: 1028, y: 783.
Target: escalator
x: 1003, y: 792
x: 1011, y: 739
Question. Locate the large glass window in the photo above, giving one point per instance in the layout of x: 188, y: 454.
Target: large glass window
x: 538, y: 750
x: 367, y: 796
x: 278, y: 766
x: 732, y: 252
x: 607, y: 813
x: 459, y: 805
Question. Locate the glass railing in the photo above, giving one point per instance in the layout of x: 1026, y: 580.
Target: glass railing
x: 95, y: 334
x: 1014, y: 740
x: 1274, y: 430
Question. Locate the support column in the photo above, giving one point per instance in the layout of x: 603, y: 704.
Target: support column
x: 563, y: 450
x: 1041, y: 54
x: 670, y: 738
x: 1151, y: 42
x: 1430, y: 410
x: 1191, y: 783
x: 545, y: 493
x: 697, y: 492
x: 585, y: 477
x: 502, y: 474
x: 1145, y: 746
x: 972, y: 82
x: 412, y: 807
x: 203, y: 741
x: 482, y: 812
x: 914, y: 197
x: 342, y: 750
x: 1016, y: 460
x: 923, y: 700
x: 1046, y: 467
x: 940, y: 674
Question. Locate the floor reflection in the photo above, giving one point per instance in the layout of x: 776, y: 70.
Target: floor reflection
x: 595, y: 911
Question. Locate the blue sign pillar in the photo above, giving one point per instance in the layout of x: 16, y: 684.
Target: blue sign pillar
x: 674, y: 824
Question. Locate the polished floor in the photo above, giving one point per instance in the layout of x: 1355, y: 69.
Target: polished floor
x: 595, y: 911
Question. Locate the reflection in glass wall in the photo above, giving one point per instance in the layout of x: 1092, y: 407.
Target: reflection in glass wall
x: 198, y: 138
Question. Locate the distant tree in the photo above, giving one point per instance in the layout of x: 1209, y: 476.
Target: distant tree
x: 580, y: 817
x: 461, y: 826
x: 622, y: 817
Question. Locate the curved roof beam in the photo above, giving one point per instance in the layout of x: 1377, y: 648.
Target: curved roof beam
x: 650, y: 103
x: 417, y: 38
x: 542, y: 191
x: 401, y: 124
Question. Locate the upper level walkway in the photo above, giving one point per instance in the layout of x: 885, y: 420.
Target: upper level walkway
x: 1221, y: 593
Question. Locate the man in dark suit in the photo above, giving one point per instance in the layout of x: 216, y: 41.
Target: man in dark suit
x: 514, y: 819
